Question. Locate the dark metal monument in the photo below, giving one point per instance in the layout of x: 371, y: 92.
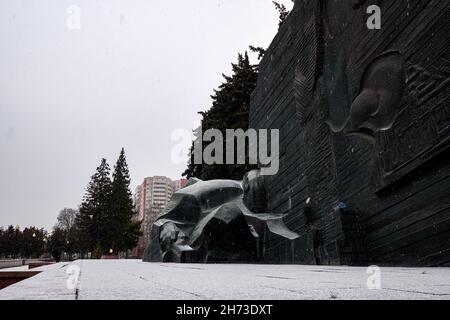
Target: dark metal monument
x: 210, y: 221
x: 364, y: 120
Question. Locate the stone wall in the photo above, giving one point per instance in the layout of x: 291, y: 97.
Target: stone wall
x: 364, y: 120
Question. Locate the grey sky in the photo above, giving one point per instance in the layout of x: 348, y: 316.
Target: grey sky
x: 133, y: 73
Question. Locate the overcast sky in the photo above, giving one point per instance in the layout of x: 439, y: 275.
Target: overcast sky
x: 135, y: 71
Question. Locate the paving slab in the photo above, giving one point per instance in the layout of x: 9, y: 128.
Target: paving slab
x: 134, y: 279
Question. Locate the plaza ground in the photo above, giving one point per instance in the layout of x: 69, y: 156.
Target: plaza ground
x: 134, y: 279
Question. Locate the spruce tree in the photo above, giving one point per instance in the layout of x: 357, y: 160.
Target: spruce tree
x: 124, y: 232
x: 283, y: 12
x: 57, y: 243
x: 80, y: 236
x: 93, y: 215
x: 229, y: 110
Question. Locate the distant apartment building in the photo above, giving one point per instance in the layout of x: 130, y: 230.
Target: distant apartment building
x: 180, y: 184
x: 150, y: 198
x: 137, y: 201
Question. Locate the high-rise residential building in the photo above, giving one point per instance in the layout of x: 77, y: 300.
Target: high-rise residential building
x: 180, y: 184
x: 137, y: 200
x: 150, y: 199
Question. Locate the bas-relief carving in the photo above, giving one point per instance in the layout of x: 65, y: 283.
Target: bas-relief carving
x: 377, y: 105
x: 402, y: 92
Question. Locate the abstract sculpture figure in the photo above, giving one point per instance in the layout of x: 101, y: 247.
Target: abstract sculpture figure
x: 210, y: 221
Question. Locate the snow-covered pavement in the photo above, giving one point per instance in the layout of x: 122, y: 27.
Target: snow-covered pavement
x: 134, y: 279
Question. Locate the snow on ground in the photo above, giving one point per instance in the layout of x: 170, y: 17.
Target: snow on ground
x: 50, y: 284
x: 21, y: 268
x: 10, y: 263
x: 134, y: 279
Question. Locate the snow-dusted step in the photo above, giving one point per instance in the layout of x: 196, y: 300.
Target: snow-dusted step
x: 50, y: 283
x: 134, y: 279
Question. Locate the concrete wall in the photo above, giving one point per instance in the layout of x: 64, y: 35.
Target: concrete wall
x: 364, y: 123
x: 11, y: 263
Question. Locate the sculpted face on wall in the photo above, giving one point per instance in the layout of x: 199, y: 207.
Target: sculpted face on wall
x: 386, y: 90
x: 378, y: 103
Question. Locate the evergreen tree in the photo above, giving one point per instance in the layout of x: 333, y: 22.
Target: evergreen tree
x: 28, y: 243
x: 57, y: 243
x: 32, y: 243
x: 258, y: 50
x: 12, y: 242
x: 282, y: 11
x: 229, y: 110
x: 124, y: 232
x: 93, y: 217
x: 81, y: 234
